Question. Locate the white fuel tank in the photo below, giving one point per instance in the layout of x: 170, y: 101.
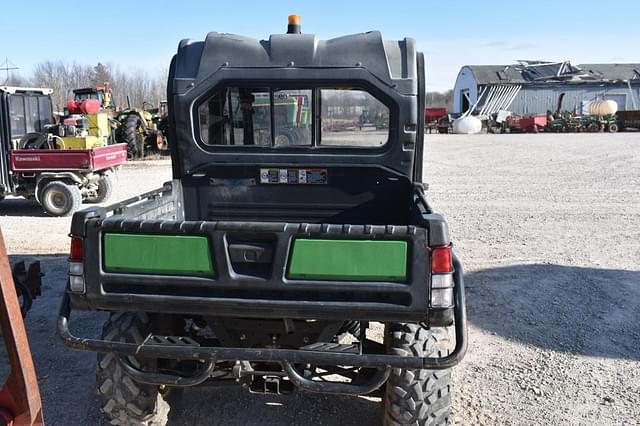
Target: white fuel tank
x: 602, y: 108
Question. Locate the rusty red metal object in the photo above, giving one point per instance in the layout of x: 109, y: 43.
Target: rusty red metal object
x: 20, y: 402
x: 28, y: 284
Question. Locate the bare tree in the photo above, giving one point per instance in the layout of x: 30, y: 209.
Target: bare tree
x: 16, y: 79
x: 139, y: 85
x: 440, y: 99
x: 62, y: 77
x: 141, y: 88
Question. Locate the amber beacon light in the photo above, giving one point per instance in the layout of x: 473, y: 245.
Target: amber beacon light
x: 294, y: 24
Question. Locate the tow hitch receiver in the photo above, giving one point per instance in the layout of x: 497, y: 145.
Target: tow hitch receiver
x: 274, y: 385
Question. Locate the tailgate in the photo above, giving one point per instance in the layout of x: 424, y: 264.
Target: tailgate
x: 258, y: 269
x: 108, y: 156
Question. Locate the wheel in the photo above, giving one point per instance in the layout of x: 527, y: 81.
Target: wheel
x: 34, y: 141
x: 613, y: 127
x: 156, y: 142
x: 104, y: 191
x: 287, y: 137
x: 59, y: 198
x: 417, y: 397
x: 593, y: 128
x: 124, y: 401
x: 131, y: 132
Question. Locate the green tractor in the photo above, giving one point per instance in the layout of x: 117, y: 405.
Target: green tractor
x: 291, y: 116
x: 143, y: 130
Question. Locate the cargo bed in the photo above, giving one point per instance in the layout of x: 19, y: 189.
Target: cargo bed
x: 251, y: 268
x: 84, y: 160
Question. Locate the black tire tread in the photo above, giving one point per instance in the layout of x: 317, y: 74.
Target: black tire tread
x: 124, y: 401
x: 417, y: 397
x: 128, y: 133
x: 105, y: 189
x: 73, y: 192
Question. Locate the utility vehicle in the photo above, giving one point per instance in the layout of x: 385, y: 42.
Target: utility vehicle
x: 38, y: 161
x: 317, y: 266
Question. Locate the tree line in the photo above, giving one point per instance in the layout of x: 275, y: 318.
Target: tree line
x: 440, y: 99
x: 138, y: 85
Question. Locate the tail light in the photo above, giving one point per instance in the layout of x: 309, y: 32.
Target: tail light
x: 441, y: 260
x: 76, y: 252
x: 442, y: 277
x: 76, y: 267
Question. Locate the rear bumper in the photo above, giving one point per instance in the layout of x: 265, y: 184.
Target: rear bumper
x: 284, y: 356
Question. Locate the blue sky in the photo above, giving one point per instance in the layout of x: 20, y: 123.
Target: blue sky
x: 143, y: 35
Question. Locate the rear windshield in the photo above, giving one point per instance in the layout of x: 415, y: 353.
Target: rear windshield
x: 299, y: 117
x: 29, y: 113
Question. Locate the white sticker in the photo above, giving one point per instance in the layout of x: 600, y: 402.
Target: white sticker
x: 264, y: 175
x: 302, y: 176
x: 284, y: 175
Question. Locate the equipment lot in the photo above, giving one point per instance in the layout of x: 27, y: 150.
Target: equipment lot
x: 548, y: 227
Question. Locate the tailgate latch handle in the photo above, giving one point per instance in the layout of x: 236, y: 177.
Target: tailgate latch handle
x: 251, y: 252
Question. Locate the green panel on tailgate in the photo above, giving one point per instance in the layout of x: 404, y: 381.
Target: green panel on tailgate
x: 157, y: 254
x: 348, y: 260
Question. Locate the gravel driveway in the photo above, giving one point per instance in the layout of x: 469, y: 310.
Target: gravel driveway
x: 548, y: 228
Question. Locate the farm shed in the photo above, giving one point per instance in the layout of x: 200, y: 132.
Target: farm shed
x: 534, y: 87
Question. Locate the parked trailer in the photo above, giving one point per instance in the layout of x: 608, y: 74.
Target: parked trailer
x: 629, y: 120
x: 530, y: 124
x: 432, y: 117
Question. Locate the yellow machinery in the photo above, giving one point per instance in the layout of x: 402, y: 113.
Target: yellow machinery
x: 94, y: 135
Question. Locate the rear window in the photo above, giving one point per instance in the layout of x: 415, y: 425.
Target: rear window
x: 353, y: 118
x: 272, y: 117
x: 17, y: 116
x: 29, y: 113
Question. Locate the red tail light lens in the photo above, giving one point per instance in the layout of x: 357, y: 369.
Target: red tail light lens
x: 76, y: 251
x: 441, y: 260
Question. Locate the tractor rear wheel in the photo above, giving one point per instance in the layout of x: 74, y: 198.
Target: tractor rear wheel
x: 124, y: 401
x: 417, y: 397
x: 132, y: 133
x: 287, y: 137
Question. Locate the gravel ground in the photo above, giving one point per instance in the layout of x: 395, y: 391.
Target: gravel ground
x: 548, y: 228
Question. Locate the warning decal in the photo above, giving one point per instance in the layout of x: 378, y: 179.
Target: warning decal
x: 294, y: 176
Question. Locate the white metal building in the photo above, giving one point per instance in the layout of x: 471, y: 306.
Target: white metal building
x: 534, y: 87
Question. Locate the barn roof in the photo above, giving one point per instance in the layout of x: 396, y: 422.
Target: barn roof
x: 526, y: 72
